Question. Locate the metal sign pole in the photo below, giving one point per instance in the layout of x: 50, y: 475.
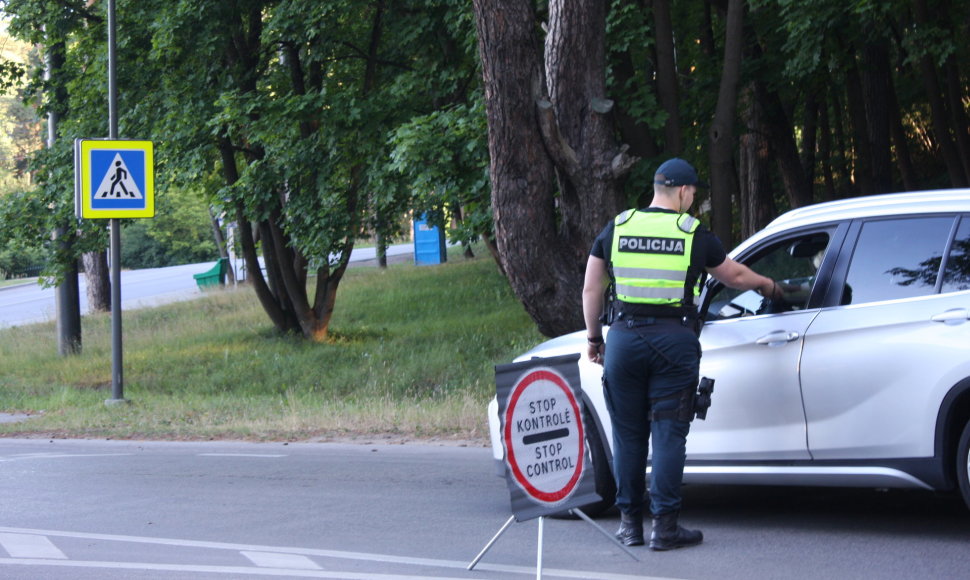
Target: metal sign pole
x: 117, y: 381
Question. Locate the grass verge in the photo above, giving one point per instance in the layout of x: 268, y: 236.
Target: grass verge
x: 410, y: 356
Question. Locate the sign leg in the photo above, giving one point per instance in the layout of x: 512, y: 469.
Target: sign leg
x: 491, y: 542
x: 579, y: 512
x: 539, y: 552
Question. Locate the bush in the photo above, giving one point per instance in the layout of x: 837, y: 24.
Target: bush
x: 180, y: 233
x: 19, y: 261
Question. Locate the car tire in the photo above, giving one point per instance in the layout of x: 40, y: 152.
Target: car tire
x: 602, y: 466
x: 963, y: 464
x: 605, y: 485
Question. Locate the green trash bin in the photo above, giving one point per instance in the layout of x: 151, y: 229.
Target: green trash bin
x: 214, y: 276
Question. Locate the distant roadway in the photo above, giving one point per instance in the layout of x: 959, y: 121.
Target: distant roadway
x: 30, y: 303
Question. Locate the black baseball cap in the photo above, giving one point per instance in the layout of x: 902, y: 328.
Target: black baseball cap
x: 676, y: 172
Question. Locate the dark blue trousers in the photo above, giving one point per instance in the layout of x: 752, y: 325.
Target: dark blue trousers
x: 647, y: 362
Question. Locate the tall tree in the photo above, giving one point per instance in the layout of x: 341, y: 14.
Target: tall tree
x: 54, y: 25
x: 930, y: 32
x: 556, y: 169
x: 667, y: 85
x: 293, y: 105
x: 722, y: 142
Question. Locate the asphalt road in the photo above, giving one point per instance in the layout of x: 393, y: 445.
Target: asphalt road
x: 86, y: 510
x: 30, y: 303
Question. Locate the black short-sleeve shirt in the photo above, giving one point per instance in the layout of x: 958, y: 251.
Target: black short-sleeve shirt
x: 706, y: 252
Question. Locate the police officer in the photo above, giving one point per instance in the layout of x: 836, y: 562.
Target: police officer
x: 655, y: 256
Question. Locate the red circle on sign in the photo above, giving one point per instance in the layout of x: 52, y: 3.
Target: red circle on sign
x: 520, y: 477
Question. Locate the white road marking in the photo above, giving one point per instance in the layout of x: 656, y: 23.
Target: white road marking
x: 270, y: 455
x: 274, y: 560
x: 230, y: 570
x: 21, y: 456
x: 30, y: 546
x: 309, y: 552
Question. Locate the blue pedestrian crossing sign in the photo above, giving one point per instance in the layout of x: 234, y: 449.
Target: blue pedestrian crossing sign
x: 114, y: 178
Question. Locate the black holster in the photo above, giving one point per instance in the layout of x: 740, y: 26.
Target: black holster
x: 693, y: 402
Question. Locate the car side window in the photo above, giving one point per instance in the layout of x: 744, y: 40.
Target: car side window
x: 793, y: 263
x: 956, y: 277
x: 898, y: 258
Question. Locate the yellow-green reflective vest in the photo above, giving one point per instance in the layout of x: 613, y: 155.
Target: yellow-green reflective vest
x: 651, y: 255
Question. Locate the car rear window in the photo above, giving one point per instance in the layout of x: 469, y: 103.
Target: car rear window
x: 897, y: 258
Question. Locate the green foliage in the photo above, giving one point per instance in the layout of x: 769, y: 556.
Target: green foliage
x: 180, y: 233
x: 444, y: 157
x: 17, y: 260
x: 629, y: 36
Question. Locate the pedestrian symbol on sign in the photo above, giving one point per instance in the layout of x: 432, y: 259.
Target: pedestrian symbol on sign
x: 117, y: 182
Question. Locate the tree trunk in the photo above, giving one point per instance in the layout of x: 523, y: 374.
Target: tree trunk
x: 667, y: 77
x: 875, y: 88
x: 578, y: 130
x: 522, y: 175
x: 900, y: 144
x: 543, y: 238
x: 860, y: 132
x: 782, y: 135
x: 757, y: 198
x: 266, y: 292
x: 380, y: 242
x: 637, y: 134
x: 221, y: 245
x: 844, y: 187
x: 825, y: 152
x: 723, y: 176
x: 67, y: 298
x: 810, y: 141
x: 955, y: 92
x: 96, y: 273
x: 938, y: 112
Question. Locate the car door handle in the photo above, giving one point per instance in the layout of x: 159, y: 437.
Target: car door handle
x: 952, y: 316
x: 777, y: 338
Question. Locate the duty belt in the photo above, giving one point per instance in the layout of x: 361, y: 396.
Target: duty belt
x: 651, y: 321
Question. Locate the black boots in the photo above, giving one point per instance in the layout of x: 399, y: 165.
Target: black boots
x: 667, y: 535
x: 631, y: 530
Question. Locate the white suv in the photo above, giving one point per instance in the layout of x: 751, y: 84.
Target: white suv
x: 860, y: 377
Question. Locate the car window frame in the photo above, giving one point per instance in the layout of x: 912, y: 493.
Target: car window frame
x: 836, y: 283
x: 957, y: 225
x: 836, y: 231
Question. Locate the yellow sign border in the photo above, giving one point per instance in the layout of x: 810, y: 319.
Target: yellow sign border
x: 84, y: 186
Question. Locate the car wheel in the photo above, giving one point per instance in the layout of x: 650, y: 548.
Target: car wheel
x: 597, y: 449
x: 596, y: 452
x: 963, y: 464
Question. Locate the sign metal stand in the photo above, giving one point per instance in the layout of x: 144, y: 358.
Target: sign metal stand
x: 540, y: 410
x: 575, y: 512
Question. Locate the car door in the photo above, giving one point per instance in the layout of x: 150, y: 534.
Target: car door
x: 752, y: 349
x: 878, y: 361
